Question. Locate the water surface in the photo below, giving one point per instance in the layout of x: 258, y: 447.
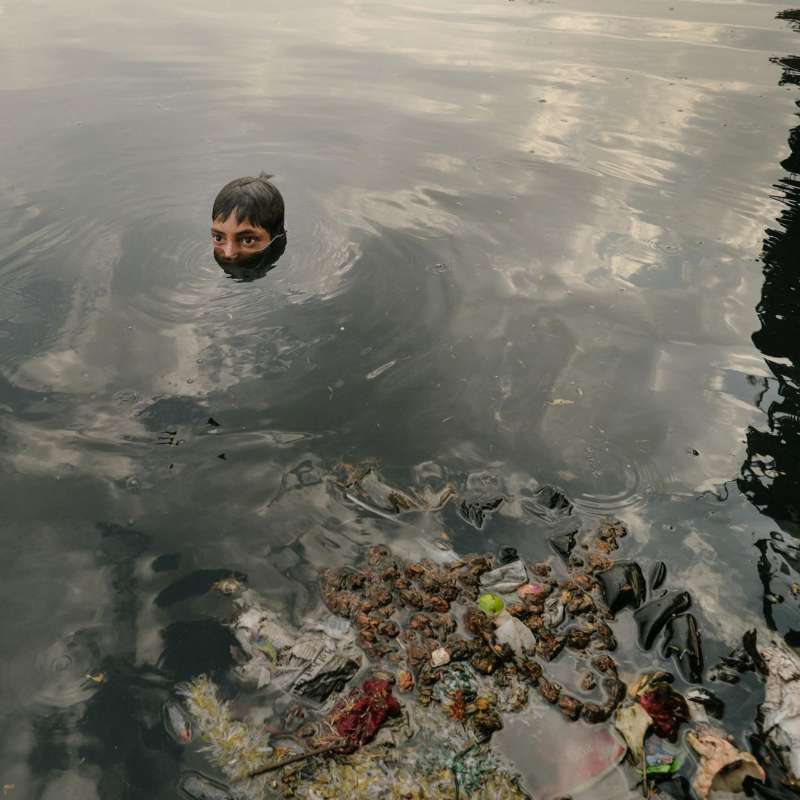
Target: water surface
x: 529, y: 243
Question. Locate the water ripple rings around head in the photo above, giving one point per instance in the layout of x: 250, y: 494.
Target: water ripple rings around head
x: 35, y: 241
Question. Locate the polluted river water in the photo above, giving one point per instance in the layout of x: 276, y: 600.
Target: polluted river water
x: 540, y: 275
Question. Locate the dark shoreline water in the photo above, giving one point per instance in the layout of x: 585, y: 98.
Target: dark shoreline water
x: 529, y: 243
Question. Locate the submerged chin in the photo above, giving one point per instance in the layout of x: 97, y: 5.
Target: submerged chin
x: 242, y: 263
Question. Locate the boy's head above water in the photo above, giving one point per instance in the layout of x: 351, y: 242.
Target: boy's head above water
x: 247, y: 227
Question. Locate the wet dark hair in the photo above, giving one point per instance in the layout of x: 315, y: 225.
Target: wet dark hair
x: 254, y: 200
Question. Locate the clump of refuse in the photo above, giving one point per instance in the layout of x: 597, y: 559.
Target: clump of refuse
x: 503, y: 620
x: 400, y: 687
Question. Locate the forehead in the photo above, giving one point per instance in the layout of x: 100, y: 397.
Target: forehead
x: 233, y: 226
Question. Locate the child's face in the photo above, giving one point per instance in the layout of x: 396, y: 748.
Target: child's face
x: 234, y: 241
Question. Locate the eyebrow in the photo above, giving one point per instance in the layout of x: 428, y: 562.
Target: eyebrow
x: 245, y: 232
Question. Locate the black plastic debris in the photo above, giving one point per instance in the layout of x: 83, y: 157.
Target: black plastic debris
x: 682, y: 640
x: 563, y: 544
x: 675, y: 789
x: 332, y: 678
x: 213, y: 423
x: 197, y: 787
x: 476, y: 512
x: 769, y: 756
x: 548, y: 502
x: 744, y: 658
x: 508, y: 554
x: 623, y: 586
x: 657, y: 575
x: 708, y: 700
x: 652, y: 617
x: 176, y: 722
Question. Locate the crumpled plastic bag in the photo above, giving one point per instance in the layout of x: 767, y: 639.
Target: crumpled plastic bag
x: 310, y: 663
x: 781, y: 707
x: 554, y: 611
x: 505, y: 579
x: 364, y: 486
x: 722, y: 767
x: 199, y: 787
x: 514, y: 632
x: 477, y: 510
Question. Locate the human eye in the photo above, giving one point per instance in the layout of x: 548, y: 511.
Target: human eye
x: 248, y: 241
x: 217, y: 237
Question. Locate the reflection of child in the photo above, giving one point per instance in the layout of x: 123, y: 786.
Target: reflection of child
x: 247, y: 228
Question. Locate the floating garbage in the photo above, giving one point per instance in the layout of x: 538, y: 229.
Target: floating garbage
x: 491, y: 604
x: 652, y: 617
x: 666, y: 707
x: 554, y: 611
x: 505, y: 579
x: 177, y: 722
x: 363, y: 485
x: 513, y: 632
x: 508, y: 554
x: 356, y: 719
x: 722, y: 767
x: 623, y: 586
x: 406, y: 615
x: 563, y: 544
x: 429, y: 770
x: 533, y: 591
x: 464, y: 643
x: 477, y: 511
x: 658, y: 574
x: 548, y: 502
x: 310, y: 663
x: 332, y: 677
x: 710, y: 704
x: 633, y: 722
x: 198, y: 787
x: 367, y: 488
x: 560, y: 759
x: 662, y: 757
x: 235, y: 747
x: 682, y: 641
x: 781, y: 707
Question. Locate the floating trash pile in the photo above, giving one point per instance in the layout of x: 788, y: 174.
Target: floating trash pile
x: 398, y: 689
x: 419, y: 617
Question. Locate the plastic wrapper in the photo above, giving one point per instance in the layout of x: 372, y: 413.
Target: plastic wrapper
x: 505, y: 579
x: 195, y: 786
x: 781, y: 707
x: 721, y: 766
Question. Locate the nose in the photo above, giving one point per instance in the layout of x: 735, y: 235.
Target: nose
x: 229, y: 249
